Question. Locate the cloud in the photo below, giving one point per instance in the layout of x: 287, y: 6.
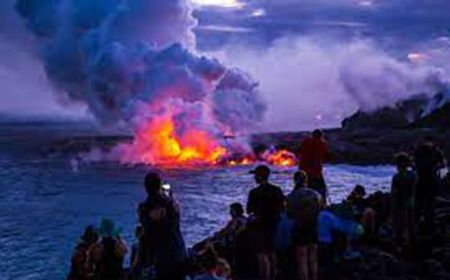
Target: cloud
x: 397, y: 22
x: 313, y: 81
x: 25, y: 90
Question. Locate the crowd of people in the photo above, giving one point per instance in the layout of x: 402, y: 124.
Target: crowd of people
x: 295, y: 236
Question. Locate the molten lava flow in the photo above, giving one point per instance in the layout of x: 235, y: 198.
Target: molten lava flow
x: 279, y: 157
x: 241, y: 161
x: 158, y: 143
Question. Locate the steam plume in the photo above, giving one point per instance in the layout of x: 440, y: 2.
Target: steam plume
x: 132, y: 60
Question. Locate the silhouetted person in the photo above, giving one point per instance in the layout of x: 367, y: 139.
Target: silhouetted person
x: 362, y: 212
x: 403, y: 191
x: 428, y: 160
x: 80, y: 269
x: 235, y: 225
x: 303, y: 206
x: 313, y: 152
x: 108, y: 254
x: 213, y: 267
x: 265, y: 204
x: 163, y: 242
x: 137, y: 254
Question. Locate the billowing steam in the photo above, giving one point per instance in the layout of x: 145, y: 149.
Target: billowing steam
x: 131, y: 61
x: 314, y: 81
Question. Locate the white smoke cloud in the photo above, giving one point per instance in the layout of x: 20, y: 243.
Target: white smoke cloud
x: 25, y: 89
x: 114, y: 55
x: 310, y: 82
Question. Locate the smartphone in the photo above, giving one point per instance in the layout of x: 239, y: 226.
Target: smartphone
x: 443, y: 172
x: 167, y: 189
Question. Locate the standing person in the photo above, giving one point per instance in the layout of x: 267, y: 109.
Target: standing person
x: 163, y: 242
x: 402, y: 199
x: 313, y: 152
x: 428, y: 160
x: 265, y: 204
x: 137, y: 253
x: 303, y: 206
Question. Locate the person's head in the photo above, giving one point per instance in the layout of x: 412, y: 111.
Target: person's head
x: 108, y: 229
x: 261, y: 174
x: 402, y: 161
x: 153, y: 183
x: 300, y: 179
x: 359, y: 191
x: 236, y: 210
x: 317, y: 134
x: 89, y: 236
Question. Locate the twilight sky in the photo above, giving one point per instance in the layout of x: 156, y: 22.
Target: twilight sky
x: 317, y: 61
x: 396, y: 22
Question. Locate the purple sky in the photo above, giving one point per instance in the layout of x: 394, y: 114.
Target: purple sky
x: 296, y: 49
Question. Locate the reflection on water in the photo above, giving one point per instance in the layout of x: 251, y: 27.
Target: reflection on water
x: 45, y: 205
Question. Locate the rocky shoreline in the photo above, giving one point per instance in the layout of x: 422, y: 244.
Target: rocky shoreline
x: 369, y: 138
x: 358, y: 146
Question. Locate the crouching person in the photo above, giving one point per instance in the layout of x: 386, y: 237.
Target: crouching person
x: 329, y: 226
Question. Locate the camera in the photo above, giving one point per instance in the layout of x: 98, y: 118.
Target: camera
x: 167, y: 189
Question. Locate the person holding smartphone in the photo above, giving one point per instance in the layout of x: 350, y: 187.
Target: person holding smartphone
x: 163, y: 242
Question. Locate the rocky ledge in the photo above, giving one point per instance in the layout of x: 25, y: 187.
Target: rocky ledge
x: 374, y: 137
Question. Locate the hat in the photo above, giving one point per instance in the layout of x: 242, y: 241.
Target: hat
x: 108, y: 229
x: 261, y: 170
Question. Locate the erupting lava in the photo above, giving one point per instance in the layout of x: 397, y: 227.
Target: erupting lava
x: 163, y: 140
x: 158, y: 143
x: 279, y: 157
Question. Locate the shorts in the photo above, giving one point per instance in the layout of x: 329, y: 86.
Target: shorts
x: 305, y: 234
x: 262, y: 237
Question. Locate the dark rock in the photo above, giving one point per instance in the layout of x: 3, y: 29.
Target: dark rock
x: 374, y: 137
x: 398, y: 115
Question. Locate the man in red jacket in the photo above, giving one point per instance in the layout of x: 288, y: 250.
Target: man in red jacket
x: 313, y: 152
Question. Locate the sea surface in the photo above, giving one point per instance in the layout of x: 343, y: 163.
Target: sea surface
x: 45, y: 202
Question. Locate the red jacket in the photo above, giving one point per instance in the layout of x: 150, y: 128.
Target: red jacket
x: 313, y: 152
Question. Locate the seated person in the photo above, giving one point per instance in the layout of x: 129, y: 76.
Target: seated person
x: 213, y: 267
x: 108, y: 254
x: 223, y: 241
x: 235, y: 225
x: 79, y: 266
x: 362, y: 212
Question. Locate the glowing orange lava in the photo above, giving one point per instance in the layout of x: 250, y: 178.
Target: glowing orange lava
x: 240, y: 162
x: 158, y: 143
x: 280, y: 158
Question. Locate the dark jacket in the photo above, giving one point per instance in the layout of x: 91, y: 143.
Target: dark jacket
x: 163, y: 240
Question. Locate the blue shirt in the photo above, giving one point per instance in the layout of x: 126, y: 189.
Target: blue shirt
x: 329, y: 223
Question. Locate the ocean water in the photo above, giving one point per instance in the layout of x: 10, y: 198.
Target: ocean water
x: 45, y: 204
